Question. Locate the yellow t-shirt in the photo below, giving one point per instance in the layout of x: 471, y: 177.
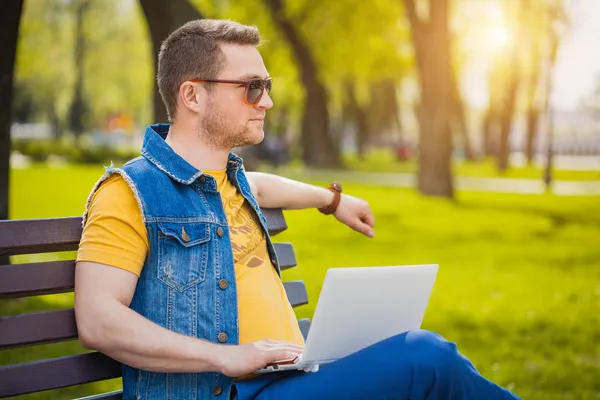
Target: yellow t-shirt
x: 115, y: 235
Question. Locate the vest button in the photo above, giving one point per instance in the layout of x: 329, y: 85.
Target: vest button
x: 222, y: 337
x: 220, y: 232
x: 274, y: 261
x: 201, y: 179
x: 223, y: 284
x: 217, y: 390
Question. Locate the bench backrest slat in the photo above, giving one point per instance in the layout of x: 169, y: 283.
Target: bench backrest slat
x: 296, y: 293
x: 62, y: 234
x: 24, y: 330
x: 116, y: 395
x: 23, y: 280
x: 39, y: 235
x: 56, y: 373
x: 304, y: 324
x: 285, y: 255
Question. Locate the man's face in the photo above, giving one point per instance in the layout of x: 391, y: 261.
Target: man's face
x: 228, y: 121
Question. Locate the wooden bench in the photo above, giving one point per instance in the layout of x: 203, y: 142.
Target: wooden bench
x: 34, y: 279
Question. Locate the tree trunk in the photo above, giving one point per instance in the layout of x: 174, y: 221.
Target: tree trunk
x: 432, y: 48
x: 358, y: 115
x: 533, y: 111
x: 511, y: 86
x: 10, y: 18
x: 318, y: 149
x: 533, y: 116
x: 78, y: 109
x: 506, y: 118
x: 460, y: 123
x: 163, y: 17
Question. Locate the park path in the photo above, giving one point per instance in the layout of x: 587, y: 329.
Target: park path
x: 500, y: 185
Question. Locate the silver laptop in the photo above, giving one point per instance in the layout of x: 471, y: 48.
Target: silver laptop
x: 359, y: 307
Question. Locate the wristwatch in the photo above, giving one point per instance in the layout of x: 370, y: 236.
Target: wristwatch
x: 336, y: 188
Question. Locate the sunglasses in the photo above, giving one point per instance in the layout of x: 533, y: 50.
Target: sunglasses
x: 254, y: 88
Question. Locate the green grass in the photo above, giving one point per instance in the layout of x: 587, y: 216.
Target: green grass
x: 383, y: 161
x: 518, y: 287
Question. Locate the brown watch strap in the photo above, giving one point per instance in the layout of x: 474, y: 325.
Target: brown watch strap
x: 337, y: 196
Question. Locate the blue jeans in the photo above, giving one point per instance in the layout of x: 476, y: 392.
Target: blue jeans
x: 411, y: 366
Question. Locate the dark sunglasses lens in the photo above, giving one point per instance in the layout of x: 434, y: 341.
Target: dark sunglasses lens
x: 255, y: 90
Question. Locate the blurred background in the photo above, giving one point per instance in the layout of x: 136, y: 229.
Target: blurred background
x: 471, y: 126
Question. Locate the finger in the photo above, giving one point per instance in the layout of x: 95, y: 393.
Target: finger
x: 368, y: 218
x: 280, y: 342
x: 363, y: 228
x: 282, y: 355
x: 284, y: 343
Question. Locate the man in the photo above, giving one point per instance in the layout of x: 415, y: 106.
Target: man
x: 176, y: 275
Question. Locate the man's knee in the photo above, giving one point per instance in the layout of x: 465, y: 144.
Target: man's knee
x: 431, y: 350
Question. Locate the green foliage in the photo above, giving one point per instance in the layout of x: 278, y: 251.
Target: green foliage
x: 40, y: 150
x: 118, y: 74
x: 517, y: 289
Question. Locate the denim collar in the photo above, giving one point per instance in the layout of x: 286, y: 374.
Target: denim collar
x: 159, y: 153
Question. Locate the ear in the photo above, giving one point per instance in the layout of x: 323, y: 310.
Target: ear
x: 192, y: 97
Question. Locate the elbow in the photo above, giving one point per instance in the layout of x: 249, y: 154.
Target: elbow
x: 89, y: 331
x: 87, y: 336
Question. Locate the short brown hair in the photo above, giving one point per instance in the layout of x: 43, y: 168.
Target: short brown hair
x: 192, y: 51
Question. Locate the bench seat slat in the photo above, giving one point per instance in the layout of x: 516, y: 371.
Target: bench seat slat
x: 37, y: 328
x: 62, y: 234
x: 56, y: 373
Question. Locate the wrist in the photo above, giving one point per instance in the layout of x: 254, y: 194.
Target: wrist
x: 325, y: 197
x: 210, y: 356
x: 336, y: 194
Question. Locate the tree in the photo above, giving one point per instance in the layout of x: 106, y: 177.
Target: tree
x: 79, y: 109
x: 9, y: 31
x: 431, y: 39
x: 163, y: 17
x: 43, y: 71
x: 317, y: 147
x: 542, y: 18
x: 458, y: 117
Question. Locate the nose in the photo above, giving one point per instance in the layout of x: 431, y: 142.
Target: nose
x: 265, y: 102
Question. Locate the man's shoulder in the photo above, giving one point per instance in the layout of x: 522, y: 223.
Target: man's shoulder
x: 141, y: 170
x: 113, y: 190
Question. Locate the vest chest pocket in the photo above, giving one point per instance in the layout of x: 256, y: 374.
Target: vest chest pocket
x: 183, y: 254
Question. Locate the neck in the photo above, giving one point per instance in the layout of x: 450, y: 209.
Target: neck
x: 186, y: 142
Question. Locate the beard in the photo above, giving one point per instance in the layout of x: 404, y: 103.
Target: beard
x: 218, y: 132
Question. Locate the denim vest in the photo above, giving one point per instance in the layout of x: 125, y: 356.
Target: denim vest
x: 188, y: 281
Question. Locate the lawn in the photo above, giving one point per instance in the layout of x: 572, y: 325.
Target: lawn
x: 518, y: 287
x: 383, y: 160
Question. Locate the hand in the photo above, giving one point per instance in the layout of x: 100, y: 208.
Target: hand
x: 357, y: 214
x: 244, y: 359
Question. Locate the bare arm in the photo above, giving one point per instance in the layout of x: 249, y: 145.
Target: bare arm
x: 272, y: 191
x: 107, y: 324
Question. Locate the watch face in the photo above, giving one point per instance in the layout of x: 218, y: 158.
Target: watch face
x: 337, y: 187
